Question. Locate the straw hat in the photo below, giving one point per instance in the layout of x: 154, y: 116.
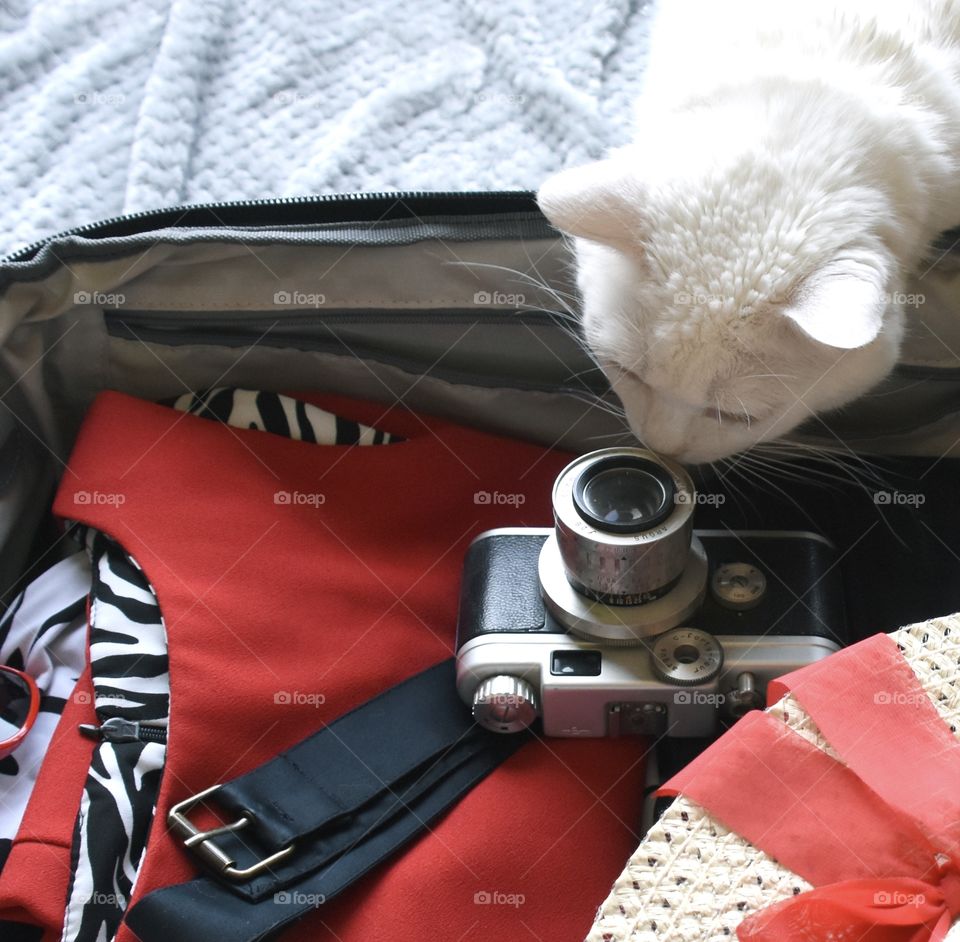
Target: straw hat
x: 692, y: 879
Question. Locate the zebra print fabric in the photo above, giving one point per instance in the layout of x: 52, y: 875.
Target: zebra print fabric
x: 128, y: 660
x: 281, y: 415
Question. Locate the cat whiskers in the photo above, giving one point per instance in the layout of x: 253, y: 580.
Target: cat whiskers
x: 566, y: 318
x: 731, y: 486
x: 776, y: 465
x: 745, y: 466
x: 626, y: 437
x: 746, y: 412
x: 850, y: 466
x: 781, y: 457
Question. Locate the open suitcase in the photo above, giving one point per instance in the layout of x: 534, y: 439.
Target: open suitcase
x: 460, y: 307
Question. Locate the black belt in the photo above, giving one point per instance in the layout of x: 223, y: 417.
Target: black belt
x: 311, y: 821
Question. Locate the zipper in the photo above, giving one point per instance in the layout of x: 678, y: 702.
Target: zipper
x: 296, y: 210
x: 220, y: 323
x: 293, y: 330
x: 118, y: 729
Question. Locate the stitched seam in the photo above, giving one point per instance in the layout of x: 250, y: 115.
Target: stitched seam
x: 407, y: 769
x: 290, y: 763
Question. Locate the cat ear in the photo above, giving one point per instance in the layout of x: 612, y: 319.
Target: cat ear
x: 599, y: 201
x: 840, y: 308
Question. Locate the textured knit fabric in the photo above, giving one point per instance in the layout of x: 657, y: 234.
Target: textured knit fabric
x: 114, y: 107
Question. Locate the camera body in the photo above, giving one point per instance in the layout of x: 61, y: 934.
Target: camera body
x: 652, y: 629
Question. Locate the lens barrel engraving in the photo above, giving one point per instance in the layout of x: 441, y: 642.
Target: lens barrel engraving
x: 623, y: 568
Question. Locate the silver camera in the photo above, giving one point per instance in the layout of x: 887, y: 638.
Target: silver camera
x: 624, y: 619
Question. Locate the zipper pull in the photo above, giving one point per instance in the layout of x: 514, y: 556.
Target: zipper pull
x: 118, y: 729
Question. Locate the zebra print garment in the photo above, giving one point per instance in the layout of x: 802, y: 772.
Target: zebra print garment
x: 281, y: 415
x: 128, y: 659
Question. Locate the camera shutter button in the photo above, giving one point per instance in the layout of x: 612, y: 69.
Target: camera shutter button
x: 686, y: 657
x: 505, y: 704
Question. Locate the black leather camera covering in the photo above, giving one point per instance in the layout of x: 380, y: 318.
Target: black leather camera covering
x: 898, y: 561
x: 804, y: 594
x: 501, y: 587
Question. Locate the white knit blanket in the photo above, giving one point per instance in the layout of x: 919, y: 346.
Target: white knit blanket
x: 113, y: 107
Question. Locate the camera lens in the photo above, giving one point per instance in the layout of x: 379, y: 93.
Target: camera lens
x: 623, y: 538
x: 624, y: 494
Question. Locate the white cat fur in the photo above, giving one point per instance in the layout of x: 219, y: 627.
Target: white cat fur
x: 740, y: 261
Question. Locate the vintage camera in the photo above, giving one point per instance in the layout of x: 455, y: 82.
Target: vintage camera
x: 623, y: 619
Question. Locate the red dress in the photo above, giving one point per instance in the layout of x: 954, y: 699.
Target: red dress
x: 328, y: 597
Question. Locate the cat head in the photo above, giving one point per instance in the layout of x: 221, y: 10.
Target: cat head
x: 729, y: 306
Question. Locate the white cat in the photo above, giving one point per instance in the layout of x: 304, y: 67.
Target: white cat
x: 740, y: 261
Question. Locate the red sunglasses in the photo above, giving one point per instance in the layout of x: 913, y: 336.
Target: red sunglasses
x: 19, y: 706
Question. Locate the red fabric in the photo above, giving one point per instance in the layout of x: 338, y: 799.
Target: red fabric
x: 895, y: 719
x: 40, y: 855
x: 881, y: 855
x: 892, y: 910
x: 339, y: 600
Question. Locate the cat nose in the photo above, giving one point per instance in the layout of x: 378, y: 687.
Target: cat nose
x: 669, y: 439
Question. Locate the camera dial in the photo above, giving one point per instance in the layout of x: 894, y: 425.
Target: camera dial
x: 505, y: 704
x: 686, y: 657
x: 739, y: 586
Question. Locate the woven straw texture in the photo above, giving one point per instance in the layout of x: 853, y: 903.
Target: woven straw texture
x: 692, y: 879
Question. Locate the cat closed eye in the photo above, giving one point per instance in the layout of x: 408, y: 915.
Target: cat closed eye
x: 722, y: 416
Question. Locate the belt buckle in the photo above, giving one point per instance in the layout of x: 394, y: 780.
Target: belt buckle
x: 201, y: 842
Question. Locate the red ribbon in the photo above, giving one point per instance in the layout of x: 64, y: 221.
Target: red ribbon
x: 894, y: 910
x: 877, y: 834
